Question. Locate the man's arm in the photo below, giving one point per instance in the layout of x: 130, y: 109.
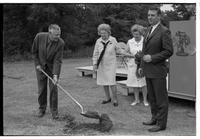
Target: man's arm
x: 95, y: 56
x: 167, y: 47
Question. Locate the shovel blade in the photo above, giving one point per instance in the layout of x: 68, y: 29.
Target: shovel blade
x: 91, y: 114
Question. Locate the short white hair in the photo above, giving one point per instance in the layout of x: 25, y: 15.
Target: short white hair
x: 137, y: 28
x: 105, y: 27
x: 54, y: 27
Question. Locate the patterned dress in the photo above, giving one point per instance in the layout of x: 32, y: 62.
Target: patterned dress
x: 132, y: 80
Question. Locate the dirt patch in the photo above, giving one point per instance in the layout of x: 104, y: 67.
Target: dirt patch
x: 74, y: 127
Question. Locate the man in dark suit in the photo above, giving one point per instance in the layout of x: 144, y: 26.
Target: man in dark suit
x: 157, y: 49
x: 47, y: 52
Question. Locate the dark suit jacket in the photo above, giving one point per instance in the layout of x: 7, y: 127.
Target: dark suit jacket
x: 159, y: 46
x: 53, y: 58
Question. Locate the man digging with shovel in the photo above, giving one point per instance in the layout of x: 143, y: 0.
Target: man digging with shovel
x: 47, y: 52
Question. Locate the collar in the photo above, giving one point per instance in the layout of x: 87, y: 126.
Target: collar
x: 50, y: 40
x: 154, y: 26
x: 106, y: 40
x: 141, y: 40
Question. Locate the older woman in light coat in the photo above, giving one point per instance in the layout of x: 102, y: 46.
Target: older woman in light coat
x: 104, y: 62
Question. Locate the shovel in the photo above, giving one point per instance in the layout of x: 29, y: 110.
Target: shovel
x: 88, y: 114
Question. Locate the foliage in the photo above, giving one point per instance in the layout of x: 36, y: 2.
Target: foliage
x: 78, y: 22
x: 180, y: 12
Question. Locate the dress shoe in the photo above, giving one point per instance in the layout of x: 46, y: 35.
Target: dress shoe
x: 134, y: 103
x: 146, y: 104
x: 40, y: 113
x: 151, y: 122
x: 106, y: 101
x: 156, y: 128
x: 115, y: 104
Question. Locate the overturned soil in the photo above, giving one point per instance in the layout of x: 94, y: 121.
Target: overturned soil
x: 73, y: 127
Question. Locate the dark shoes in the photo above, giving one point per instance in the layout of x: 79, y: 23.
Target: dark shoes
x: 151, y: 122
x: 106, y: 101
x: 40, y: 114
x: 115, y: 104
x: 156, y: 128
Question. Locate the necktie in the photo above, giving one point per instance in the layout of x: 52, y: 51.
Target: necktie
x: 149, y: 33
x: 102, y: 53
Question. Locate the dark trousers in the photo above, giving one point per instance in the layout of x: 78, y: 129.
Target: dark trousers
x: 42, y: 92
x: 158, y: 99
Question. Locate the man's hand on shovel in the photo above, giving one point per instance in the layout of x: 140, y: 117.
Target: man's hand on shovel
x: 38, y: 67
x: 55, y: 79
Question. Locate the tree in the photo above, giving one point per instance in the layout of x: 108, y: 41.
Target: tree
x: 78, y: 23
x: 15, y: 38
x: 181, y: 12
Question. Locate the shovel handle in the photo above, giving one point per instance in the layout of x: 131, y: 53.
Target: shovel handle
x: 59, y: 86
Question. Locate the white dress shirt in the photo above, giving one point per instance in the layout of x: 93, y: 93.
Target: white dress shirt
x: 154, y: 27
